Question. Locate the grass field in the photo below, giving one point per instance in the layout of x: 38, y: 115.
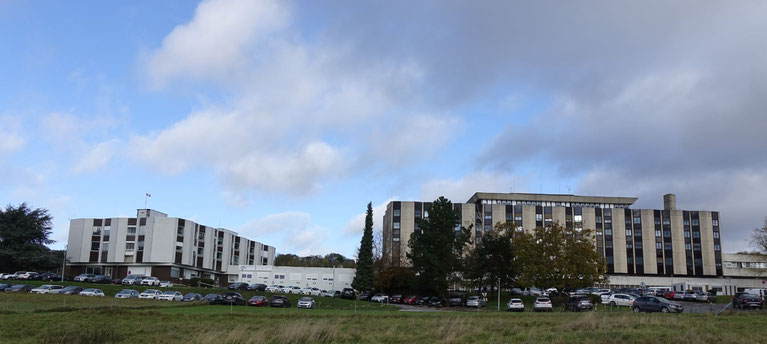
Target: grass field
x: 28, y: 318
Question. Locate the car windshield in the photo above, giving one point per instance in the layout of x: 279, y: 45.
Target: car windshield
x: 210, y: 296
x: 89, y: 290
x: 169, y: 293
x: 305, y: 299
x: 125, y: 291
x: 257, y: 298
x: 543, y: 300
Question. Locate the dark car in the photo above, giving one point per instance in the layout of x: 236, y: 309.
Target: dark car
x: 233, y: 298
x: 189, y: 297
x: 348, y: 293
x: 117, y: 281
x: 49, y: 276
x: 365, y: 296
x: 20, y: 288
x: 71, y: 290
x: 655, y: 304
x: 436, y: 301
x: 214, y: 299
x: 4, y: 286
x: 279, y: 301
x: 423, y: 300
x: 579, y: 303
x: 258, y: 301
x: 396, y: 298
x: 238, y: 286
x: 456, y: 300
x: 100, y: 279
x: 257, y: 287
x: 745, y: 301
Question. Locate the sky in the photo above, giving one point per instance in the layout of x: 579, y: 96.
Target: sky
x: 281, y: 120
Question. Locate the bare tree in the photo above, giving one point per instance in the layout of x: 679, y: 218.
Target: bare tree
x: 759, y: 238
x: 377, y: 245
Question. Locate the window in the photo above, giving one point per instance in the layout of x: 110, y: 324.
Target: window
x: 179, y: 247
x: 686, y: 222
x: 630, y: 260
x: 696, y: 247
x: 695, y: 222
x: 417, y: 213
x: 696, y: 234
x: 96, y: 230
x: 599, y: 219
x: 717, y: 247
x: 628, y: 233
x: 638, y: 245
x: 608, y: 232
x: 716, y: 235
x: 141, y: 230
x: 609, y: 260
x: 640, y: 260
x: 396, y: 225
x: 140, y: 245
x: 538, y: 217
x: 658, y: 246
x: 95, y: 246
x: 715, y: 222
x: 666, y: 222
x: 175, y: 272
x: 130, y: 246
x: 395, y: 239
x: 218, y: 255
x: 608, y: 219
x: 637, y: 220
x: 686, y: 234
x: 657, y: 234
x: 578, y: 218
x: 669, y: 261
x: 131, y: 230
x: 200, y: 251
x: 609, y: 244
x: 105, y: 246
x: 666, y: 234
x: 396, y: 212
x: 687, y: 247
x: 629, y: 245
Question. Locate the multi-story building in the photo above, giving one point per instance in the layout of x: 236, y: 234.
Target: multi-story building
x: 153, y: 244
x: 636, y: 243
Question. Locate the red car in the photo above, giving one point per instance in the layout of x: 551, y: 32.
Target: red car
x: 409, y: 300
x: 669, y: 295
x: 258, y: 301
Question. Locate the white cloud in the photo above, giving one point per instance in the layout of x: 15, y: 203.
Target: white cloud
x: 356, y: 225
x: 217, y: 41
x: 10, y: 142
x: 97, y: 157
x: 460, y: 190
x: 293, y: 232
x: 411, y: 138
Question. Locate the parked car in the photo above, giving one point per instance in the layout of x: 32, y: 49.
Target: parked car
x: 27, y: 275
x: 70, y: 290
x: 655, y: 304
x: 348, y: 293
x: 423, y: 300
x: 285, y: 289
x: 279, y: 301
x: 396, y: 298
x: 305, y: 302
x: 49, y: 276
x: 410, y: 300
x: 166, y: 284
x: 234, y: 298
x: 151, y: 281
x: 4, y: 286
x: 456, y: 300
x: 127, y: 294
x: 532, y: 292
x: 103, y: 279
x: 436, y: 301
x: 132, y: 280
x: 703, y: 296
x: 605, y: 297
x: 257, y: 287
x: 542, y: 304
x: 332, y: 293
x: 238, y: 286
x: 92, y: 292
x: 214, y: 299
x: 4, y: 276
x: 258, y: 301
x: 551, y: 292
x: 150, y: 294
x: 189, y: 297
x: 620, y: 300
x: 117, y: 281
x: 475, y: 301
x: 314, y: 291
x: 170, y: 296
x: 380, y: 298
x: 272, y: 288
x: 515, y: 305
x: 47, y: 289
x: 579, y: 303
x: 747, y: 301
x: 19, y: 288
x: 669, y: 294
x: 365, y: 296
x: 296, y: 290
x: 83, y: 277
x: 516, y: 291
x: 690, y: 295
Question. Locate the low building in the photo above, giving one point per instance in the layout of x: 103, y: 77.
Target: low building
x: 153, y: 244
x: 322, y: 278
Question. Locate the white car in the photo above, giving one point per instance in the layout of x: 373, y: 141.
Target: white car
x: 272, y: 288
x: 92, y: 292
x: 306, y: 302
x: 329, y: 293
x: 515, y: 305
x: 166, y: 284
x: 314, y: 292
x: 620, y: 300
x: 542, y: 304
x: 126, y: 294
x: 83, y: 277
x: 294, y: 290
x: 132, y: 280
x: 47, y: 289
x: 605, y: 297
x: 150, y: 294
x: 26, y: 275
x: 550, y: 291
x: 5, y: 276
x: 380, y: 298
x: 170, y: 296
x: 150, y: 280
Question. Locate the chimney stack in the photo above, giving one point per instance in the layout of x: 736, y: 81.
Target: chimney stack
x: 669, y: 202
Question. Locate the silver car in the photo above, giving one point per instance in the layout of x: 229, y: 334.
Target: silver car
x: 475, y: 301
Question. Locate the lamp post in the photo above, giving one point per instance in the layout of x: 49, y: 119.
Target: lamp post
x: 64, y: 263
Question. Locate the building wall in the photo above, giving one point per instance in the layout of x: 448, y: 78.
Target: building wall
x: 322, y: 278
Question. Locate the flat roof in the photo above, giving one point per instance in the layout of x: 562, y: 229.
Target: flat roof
x: 550, y: 198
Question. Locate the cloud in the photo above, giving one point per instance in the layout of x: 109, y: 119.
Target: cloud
x: 216, y: 42
x: 293, y: 231
x: 413, y: 138
x: 459, y: 190
x: 356, y: 225
x: 83, y: 139
x: 10, y: 142
x: 97, y: 157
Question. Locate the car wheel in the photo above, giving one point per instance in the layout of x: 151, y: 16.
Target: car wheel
x: 664, y: 310
x: 636, y: 310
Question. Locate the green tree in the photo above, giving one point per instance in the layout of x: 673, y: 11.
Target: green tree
x: 557, y: 257
x: 492, y: 258
x: 24, y: 234
x: 364, y: 278
x: 436, y: 253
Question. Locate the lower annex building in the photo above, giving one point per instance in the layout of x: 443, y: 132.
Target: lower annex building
x: 651, y: 246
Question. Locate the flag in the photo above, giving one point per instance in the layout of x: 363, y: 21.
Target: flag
x: 148, y: 195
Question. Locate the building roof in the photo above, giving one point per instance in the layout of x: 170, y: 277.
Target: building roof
x: 550, y: 198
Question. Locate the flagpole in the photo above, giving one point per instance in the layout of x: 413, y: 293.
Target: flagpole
x: 146, y: 196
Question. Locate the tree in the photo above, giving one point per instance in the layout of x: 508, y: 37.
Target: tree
x: 329, y: 260
x: 492, y: 258
x: 557, y: 257
x: 436, y: 252
x: 759, y: 238
x: 363, y: 278
x: 24, y: 234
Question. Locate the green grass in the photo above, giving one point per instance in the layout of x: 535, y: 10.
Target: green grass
x: 42, y: 319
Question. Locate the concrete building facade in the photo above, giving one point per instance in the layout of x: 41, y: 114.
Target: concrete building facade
x: 322, y: 278
x: 153, y: 244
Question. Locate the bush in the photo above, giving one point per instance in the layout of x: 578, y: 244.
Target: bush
x: 193, y: 282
